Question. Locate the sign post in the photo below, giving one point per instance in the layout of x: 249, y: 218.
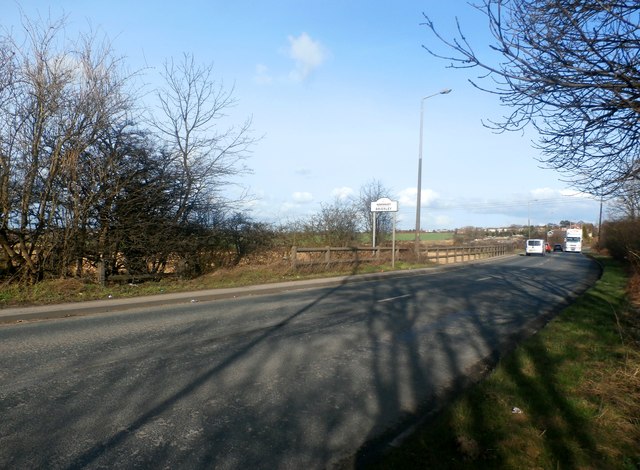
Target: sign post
x: 386, y: 205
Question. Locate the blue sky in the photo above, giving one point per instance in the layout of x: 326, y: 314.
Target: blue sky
x: 334, y: 89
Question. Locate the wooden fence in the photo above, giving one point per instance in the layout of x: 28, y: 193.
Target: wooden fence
x: 303, y: 257
x: 455, y: 254
x: 129, y: 278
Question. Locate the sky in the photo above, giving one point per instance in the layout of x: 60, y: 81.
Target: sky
x: 334, y: 89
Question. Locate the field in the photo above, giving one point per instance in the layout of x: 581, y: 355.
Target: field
x: 425, y: 236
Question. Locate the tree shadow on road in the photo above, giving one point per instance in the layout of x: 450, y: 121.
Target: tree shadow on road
x: 351, y: 366
x: 525, y: 407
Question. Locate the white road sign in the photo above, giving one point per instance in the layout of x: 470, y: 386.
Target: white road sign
x: 384, y: 205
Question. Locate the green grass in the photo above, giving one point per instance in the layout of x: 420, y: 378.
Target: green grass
x: 411, y: 236
x: 577, y: 383
x: 424, y: 236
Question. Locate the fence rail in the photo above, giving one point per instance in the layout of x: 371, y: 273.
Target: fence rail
x: 456, y: 254
x: 302, y: 257
x: 103, y: 278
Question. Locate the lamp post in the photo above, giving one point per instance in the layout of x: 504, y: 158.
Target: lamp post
x: 418, y: 202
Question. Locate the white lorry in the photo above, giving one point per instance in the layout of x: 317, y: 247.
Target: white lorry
x: 573, y: 240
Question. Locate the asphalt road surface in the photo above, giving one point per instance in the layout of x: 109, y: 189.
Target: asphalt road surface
x: 312, y: 378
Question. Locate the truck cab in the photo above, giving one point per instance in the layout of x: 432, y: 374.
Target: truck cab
x: 573, y: 240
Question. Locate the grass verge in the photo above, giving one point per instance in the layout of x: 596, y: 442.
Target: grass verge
x: 569, y: 397
x: 76, y: 290
x: 576, y: 383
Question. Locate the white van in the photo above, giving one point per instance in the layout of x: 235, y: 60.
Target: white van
x: 534, y: 246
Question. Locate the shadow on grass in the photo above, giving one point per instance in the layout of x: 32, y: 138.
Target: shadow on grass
x: 535, y: 410
x: 291, y: 381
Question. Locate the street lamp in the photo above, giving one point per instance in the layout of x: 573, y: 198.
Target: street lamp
x: 418, y: 202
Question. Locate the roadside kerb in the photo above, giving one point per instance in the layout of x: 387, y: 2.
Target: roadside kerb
x: 73, y: 309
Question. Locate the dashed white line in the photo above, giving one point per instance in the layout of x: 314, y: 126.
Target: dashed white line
x: 389, y: 299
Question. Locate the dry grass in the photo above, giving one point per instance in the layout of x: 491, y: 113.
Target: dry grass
x: 76, y: 290
x: 577, y: 382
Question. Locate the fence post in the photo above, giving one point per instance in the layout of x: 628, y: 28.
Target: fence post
x: 294, y: 256
x: 327, y: 255
x: 101, y: 273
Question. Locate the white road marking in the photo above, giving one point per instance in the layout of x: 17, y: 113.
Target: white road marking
x: 389, y: 299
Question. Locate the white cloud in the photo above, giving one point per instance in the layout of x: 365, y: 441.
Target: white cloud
x: 574, y: 193
x: 302, y: 197
x: 548, y: 193
x: 262, y: 76
x: 342, y: 193
x: 408, y: 197
x: 543, y: 193
x: 443, y: 221
x: 307, y: 54
x: 288, y: 207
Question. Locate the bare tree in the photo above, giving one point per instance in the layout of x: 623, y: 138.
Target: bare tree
x: 8, y: 73
x: 33, y: 139
x: 371, y: 192
x: 571, y: 69
x: 192, y: 109
x: 80, y: 181
x: 131, y: 208
x: 246, y: 236
x: 336, y: 224
x: 101, y: 103
x: 626, y: 206
x: 56, y: 99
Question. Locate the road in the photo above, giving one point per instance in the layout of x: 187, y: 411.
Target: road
x: 309, y: 378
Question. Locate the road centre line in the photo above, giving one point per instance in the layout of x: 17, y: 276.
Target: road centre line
x: 389, y: 299
x: 485, y: 278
